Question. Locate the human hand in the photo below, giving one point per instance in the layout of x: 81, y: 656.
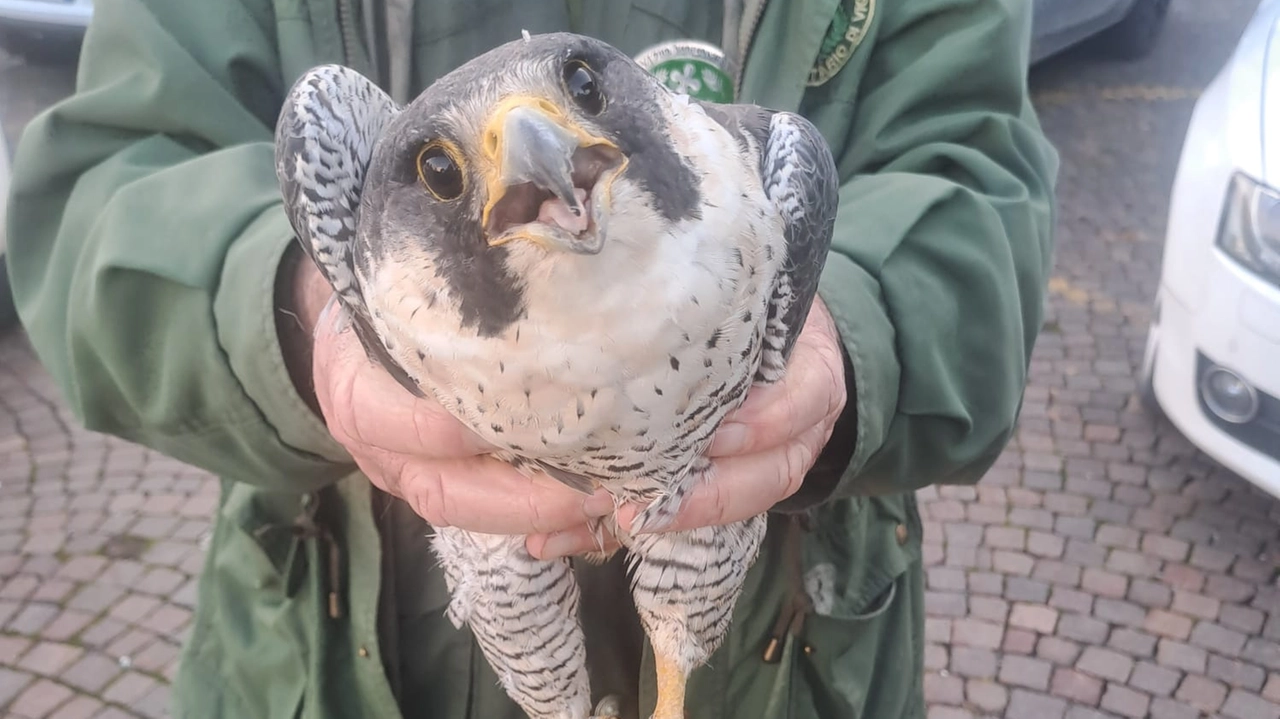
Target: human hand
x: 414, y: 449
x: 761, y: 452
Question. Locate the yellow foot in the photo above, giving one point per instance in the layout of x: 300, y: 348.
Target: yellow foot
x: 671, y: 681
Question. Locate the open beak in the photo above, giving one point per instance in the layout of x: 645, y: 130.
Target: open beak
x: 549, y: 180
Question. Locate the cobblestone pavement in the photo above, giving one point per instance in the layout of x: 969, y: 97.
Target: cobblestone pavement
x: 1104, y: 568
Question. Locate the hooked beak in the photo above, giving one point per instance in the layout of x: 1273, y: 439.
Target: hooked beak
x: 547, y: 181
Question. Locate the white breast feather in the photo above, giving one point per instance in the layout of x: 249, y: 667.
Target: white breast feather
x: 613, y: 348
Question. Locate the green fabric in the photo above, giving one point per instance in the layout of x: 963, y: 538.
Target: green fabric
x: 145, y: 230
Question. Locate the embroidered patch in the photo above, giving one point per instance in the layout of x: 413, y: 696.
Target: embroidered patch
x: 845, y: 34
x: 689, y: 67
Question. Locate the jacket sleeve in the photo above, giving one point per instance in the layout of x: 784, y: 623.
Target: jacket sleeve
x: 943, y: 247
x: 144, y: 235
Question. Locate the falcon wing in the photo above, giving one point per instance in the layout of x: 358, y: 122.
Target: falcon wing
x: 799, y: 177
x: 325, y: 136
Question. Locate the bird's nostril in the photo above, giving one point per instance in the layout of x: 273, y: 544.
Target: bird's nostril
x: 491, y: 144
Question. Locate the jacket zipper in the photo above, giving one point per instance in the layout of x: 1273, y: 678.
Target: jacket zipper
x: 344, y: 29
x: 745, y: 48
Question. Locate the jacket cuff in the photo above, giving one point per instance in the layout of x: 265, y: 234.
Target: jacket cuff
x: 872, y: 373
x: 245, y: 311
x: 824, y: 477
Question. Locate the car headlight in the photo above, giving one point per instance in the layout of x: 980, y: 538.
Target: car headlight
x: 1250, y: 231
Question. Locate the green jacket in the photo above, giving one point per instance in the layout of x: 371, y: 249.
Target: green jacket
x: 146, y: 231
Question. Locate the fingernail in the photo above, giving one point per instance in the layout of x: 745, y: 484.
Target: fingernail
x: 599, y: 504
x: 730, y: 438
x: 560, y: 544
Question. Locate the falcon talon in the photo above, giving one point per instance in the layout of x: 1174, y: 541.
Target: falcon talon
x: 489, y: 200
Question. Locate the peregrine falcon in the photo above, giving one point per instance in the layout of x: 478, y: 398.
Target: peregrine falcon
x: 588, y: 270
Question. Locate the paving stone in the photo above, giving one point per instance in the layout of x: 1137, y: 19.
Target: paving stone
x: 1244, y: 619
x: 1059, y: 651
x: 1033, y: 617
x: 1167, y: 624
x: 31, y: 619
x: 155, y: 704
x: 1245, y: 705
x: 91, y: 673
x: 1120, y: 612
x: 1237, y: 673
x: 80, y: 707
x: 129, y: 688
x: 987, y: 696
x: 1133, y: 643
x: 935, y: 657
x: 1229, y: 589
x: 1167, y: 548
x: 992, y: 609
x: 1181, y: 656
x: 1103, y: 583
x: 1020, y: 589
x: 1025, y: 704
x: 67, y: 624
x: 1262, y: 652
x: 976, y: 633
x: 1132, y: 563
x: 1070, y: 600
x: 973, y: 662
x: 40, y: 699
x: 1203, y: 694
x: 49, y: 658
x: 1018, y: 641
x: 1125, y: 701
x: 948, y: 604
x: 940, y: 689
x: 1217, y: 638
x: 1085, y: 630
x: 1105, y: 664
x: 1026, y: 672
x: 1154, y: 679
x: 1057, y: 573
x: 1272, y: 690
x: 949, y: 712
x: 1149, y: 594
x: 1165, y: 708
x: 1076, y: 686
x: 11, y: 648
x: 11, y: 683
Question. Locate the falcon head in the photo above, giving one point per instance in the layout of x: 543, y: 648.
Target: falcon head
x: 551, y: 186
x: 527, y: 171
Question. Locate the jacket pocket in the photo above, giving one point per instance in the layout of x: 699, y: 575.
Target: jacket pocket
x: 248, y: 652
x: 860, y: 653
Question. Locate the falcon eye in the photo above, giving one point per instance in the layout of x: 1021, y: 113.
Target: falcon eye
x: 440, y: 172
x: 583, y: 86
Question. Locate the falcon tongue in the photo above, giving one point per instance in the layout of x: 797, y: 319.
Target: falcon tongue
x: 555, y: 212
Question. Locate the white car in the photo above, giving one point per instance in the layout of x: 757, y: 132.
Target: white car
x: 1212, y: 363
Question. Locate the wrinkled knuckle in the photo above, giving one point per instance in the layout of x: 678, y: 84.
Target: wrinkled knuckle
x: 799, y: 459
x: 428, y: 498
x: 720, y: 507
x: 538, y: 519
x: 343, y: 424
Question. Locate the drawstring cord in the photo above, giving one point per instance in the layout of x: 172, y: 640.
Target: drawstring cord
x: 305, y: 527
x: 797, y: 606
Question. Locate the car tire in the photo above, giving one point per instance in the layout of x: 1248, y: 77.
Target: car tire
x: 8, y: 310
x: 38, y: 47
x: 1136, y: 35
x: 1147, y: 376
